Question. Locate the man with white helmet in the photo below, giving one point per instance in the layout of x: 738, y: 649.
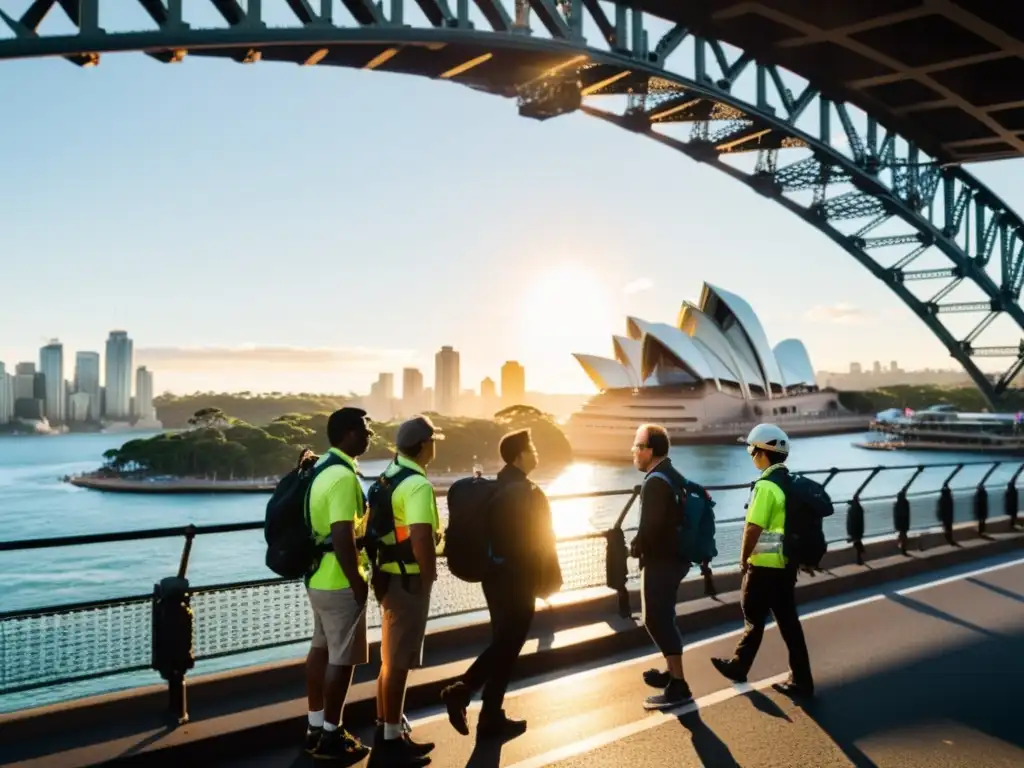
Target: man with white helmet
x: 769, y: 579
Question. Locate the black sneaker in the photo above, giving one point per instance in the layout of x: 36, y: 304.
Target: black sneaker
x: 398, y: 753
x: 676, y: 694
x: 499, y: 726
x: 312, y: 738
x: 421, y: 749
x: 657, y: 678
x: 728, y: 668
x: 795, y: 690
x: 340, y: 746
x: 456, y: 700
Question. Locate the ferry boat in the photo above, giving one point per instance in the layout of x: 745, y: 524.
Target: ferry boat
x: 943, y: 428
x: 709, y: 378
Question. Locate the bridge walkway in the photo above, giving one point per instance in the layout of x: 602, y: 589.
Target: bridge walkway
x: 924, y: 672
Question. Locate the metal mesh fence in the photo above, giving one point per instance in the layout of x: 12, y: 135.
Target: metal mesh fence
x: 50, y: 646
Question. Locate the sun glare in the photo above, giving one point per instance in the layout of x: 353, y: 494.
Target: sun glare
x: 568, y: 309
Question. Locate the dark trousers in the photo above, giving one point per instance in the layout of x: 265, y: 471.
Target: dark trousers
x: 511, y: 604
x: 773, y: 590
x: 659, y: 587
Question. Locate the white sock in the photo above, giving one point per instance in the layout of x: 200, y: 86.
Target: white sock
x: 328, y: 727
x: 392, y: 731
x: 316, y: 719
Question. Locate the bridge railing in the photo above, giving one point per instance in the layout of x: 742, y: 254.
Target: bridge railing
x: 178, y: 624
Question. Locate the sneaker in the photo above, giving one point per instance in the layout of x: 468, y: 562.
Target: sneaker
x: 422, y: 749
x: 729, y: 669
x: 499, y: 726
x: 676, y: 694
x: 398, y: 753
x: 312, y: 738
x: 456, y: 700
x: 340, y: 746
x: 657, y: 678
x: 795, y: 690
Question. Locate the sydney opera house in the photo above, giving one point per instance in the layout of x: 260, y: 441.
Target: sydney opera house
x: 707, y: 378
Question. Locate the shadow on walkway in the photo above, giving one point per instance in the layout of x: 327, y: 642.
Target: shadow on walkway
x: 711, y: 750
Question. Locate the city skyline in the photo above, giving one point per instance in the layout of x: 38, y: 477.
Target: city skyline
x: 549, y: 289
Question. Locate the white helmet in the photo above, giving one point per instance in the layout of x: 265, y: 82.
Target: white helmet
x: 767, y: 437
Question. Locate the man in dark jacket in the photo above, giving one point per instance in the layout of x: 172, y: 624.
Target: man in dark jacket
x: 525, y: 568
x: 662, y: 566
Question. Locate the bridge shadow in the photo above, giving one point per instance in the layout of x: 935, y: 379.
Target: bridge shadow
x: 711, y: 750
x: 975, y: 686
x: 936, y: 613
x: 1001, y: 591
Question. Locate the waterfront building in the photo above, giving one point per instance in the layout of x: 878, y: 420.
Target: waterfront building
x: 712, y: 371
x: 79, y: 405
x: 513, y: 384
x: 446, y: 381
x: 87, y: 381
x: 412, y: 392
x: 6, y: 395
x: 51, y: 365
x: 119, y: 357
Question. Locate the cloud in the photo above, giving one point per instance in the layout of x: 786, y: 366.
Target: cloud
x: 837, y: 314
x: 639, y: 285
x: 267, y: 357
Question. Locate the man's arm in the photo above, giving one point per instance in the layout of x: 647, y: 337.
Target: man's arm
x: 758, y: 512
x: 419, y: 516
x: 345, y: 502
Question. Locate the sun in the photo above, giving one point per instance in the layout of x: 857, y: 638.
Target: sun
x: 568, y: 309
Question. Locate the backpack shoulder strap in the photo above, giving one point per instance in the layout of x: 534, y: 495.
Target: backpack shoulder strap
x: 671, y: 483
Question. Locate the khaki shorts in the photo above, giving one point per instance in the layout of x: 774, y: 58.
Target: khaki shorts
x: 339, y: 625
x: 404, y: 622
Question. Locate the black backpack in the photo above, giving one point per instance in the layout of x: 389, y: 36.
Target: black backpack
x: 807, y: 506
x: 292, y: 549
x: 695, y: 528
x: 381, y: 521
x: 467, y: 540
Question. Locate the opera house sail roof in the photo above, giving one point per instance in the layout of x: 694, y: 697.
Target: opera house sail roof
x: 719, y: 342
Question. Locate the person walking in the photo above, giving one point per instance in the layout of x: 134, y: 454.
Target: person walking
x: 769, y: 579
x: 337, y: 590
x: 662, y: 567
x: 405, y: 572
x: 525, y: 567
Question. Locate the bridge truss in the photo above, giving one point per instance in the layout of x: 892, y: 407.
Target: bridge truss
x: 944, y: 243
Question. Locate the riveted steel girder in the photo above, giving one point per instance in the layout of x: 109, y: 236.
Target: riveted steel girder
x: 813, y: 157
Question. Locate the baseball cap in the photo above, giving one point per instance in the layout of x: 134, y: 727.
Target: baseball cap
x: 416, y: 430
x: 345, y: 420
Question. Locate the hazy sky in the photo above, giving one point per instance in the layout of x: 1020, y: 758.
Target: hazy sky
x: 275, y: 227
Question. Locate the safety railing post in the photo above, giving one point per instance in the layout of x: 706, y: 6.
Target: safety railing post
x: 901, y: 511
x: 173, y: 632
x: 855, y: 517
x: 617, y: 555
x: 946, y: 508
x: 1010, y: 500
x: 981, y: 499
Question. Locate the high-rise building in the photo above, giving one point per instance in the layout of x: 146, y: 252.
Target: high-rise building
x: 87, y: 381
x: 876, y: 368
x: 78, y: 406
x: 25, y: 381
x: 144, y: 395
x: 855, y: 368
x: 488, y: 390
x: 119, y: 376
x: 6, y: 395
x: 513, y: 384
x: 446, y: 381
x: 412, y: 391
x: 51, y: 365
x: 387, y: 385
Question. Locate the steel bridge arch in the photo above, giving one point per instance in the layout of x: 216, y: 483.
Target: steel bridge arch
x: 892, y: 182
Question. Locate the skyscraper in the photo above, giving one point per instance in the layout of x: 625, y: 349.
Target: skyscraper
x: 87, y: 381
x: 119, y: 376
x: 6, y: 396
x: 513, y: 384
x: 488, y: 390
x: 144, y: 395
x: 412, y: 391
x: 51, y: 365
x: 446, y: 381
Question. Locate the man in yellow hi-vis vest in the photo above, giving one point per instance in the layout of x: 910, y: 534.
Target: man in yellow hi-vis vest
x: 769, y: 579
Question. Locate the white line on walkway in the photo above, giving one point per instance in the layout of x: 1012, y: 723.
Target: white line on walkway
x: 613, y: 735
x: 593, y: 672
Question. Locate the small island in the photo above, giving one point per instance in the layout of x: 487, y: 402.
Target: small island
x: 217, y: 453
